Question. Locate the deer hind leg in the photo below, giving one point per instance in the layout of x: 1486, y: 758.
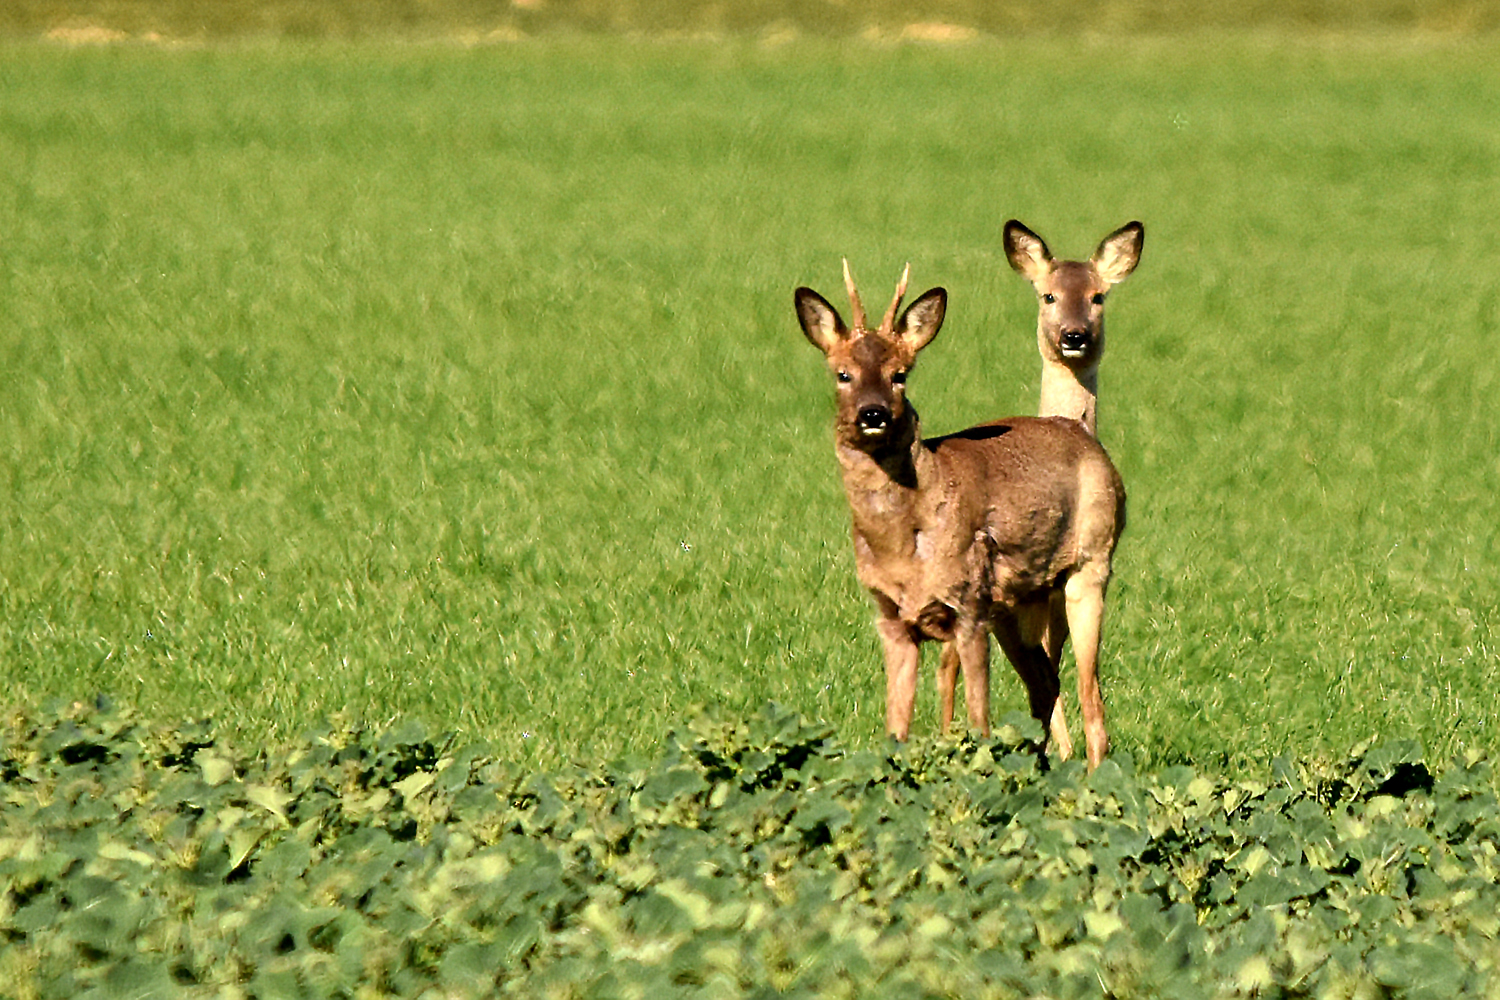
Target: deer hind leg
x: 1046, y: 624
x: 1022, y: 646
x: 1084, y: 592
x: 902, y: 658
x: 1053, y: 637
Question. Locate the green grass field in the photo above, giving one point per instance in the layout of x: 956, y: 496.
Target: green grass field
x: 478, y: 21
x: 459, y: 384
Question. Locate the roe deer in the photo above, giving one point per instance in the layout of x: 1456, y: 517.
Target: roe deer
x: 971, y: 533
x: 1070, y: 313
x: 1070, y: 336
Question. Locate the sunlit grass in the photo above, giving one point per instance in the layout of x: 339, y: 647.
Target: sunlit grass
x: 478, y: 21
x: 465, y: 384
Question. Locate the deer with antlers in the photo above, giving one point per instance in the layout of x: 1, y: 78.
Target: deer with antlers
x: 969, y: 534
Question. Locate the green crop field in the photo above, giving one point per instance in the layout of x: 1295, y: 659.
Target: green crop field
x: 459, y: 387
x: 465, y: 384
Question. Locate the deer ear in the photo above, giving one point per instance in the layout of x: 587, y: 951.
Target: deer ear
x: 820, y: 321
x: 1026, y: 252
x: 922, y: 319
x: 1119, y: 252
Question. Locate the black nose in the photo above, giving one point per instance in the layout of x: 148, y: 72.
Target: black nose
x: 1074, y: 340
x: 874, y: 418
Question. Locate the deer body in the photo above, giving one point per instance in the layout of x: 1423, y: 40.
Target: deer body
x: 953, y: 523
x: 1070, y: 338
x: 974, y: 533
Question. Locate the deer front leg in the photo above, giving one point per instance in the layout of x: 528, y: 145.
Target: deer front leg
x: 1085, y: 606
x: 971, y: 645
x: 902, y: 658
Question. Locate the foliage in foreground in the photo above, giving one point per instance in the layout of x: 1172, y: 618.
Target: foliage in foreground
x: 753, y: 858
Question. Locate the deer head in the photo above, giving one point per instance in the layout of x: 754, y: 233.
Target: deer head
x: 1070, y: 293
x: 870, y: 366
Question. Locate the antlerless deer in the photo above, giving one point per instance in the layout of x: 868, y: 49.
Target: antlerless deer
x: 960, y: 536
x: 1070, y: 313
x: 1070, y: 298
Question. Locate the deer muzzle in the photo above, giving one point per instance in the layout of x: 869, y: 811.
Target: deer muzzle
x: 1075, y: 342
x: 874, y: 421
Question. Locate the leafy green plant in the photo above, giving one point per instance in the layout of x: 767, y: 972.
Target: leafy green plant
x: 753, y: 855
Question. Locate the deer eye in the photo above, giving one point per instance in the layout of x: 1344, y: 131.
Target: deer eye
x: 1098, y: 299
x: 898, y: 378
x: 1049, y: 298
x: 844, y: 376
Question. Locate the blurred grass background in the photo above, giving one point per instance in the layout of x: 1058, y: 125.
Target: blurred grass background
x: 781, y: 19
x: 463, y: 382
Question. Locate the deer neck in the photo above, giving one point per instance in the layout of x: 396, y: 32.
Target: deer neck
x: 1070, y: 393
x: 885, y: 489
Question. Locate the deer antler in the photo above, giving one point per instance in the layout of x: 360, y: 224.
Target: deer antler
x: 889, y: 323
x: 859, y: 309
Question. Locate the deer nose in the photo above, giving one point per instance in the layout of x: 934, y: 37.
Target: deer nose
x: 874, y: 419
x: 1074, y: 340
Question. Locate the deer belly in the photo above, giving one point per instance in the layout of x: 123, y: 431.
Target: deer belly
x: 1014, y: 585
